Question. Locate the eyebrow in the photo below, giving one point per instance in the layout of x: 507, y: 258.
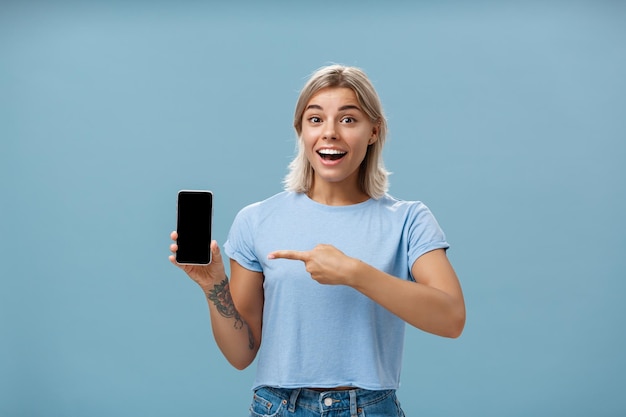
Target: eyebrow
x: 342, y: 108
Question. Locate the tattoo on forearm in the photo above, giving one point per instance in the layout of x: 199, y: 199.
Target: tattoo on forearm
x: 220, y: 296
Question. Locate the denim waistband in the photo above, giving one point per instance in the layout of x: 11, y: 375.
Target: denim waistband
x: 351, y: 399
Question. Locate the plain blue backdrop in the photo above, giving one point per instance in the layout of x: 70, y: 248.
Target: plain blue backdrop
x: 507, y: 118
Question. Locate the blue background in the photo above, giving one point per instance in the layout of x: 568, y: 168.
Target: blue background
x: 507, y: 118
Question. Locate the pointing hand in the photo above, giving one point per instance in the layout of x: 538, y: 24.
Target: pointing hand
x: 325, y: 263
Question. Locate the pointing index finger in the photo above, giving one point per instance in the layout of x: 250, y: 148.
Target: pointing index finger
x: 296, y: 255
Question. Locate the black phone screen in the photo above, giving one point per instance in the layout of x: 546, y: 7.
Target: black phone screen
x: 195, y: 209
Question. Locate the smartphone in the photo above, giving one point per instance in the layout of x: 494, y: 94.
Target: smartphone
x: 193, y: 224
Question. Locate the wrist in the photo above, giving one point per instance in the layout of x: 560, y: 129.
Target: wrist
x: 210, y: 285
x: 356, y: 271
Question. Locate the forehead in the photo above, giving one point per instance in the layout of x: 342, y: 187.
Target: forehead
x: 330, y: 96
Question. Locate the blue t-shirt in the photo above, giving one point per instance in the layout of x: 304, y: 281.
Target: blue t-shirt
x: 317, y: 335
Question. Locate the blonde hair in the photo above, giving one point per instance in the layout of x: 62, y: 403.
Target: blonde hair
x: 373, y: 177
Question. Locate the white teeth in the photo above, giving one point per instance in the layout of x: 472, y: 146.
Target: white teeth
x: 331, y: 152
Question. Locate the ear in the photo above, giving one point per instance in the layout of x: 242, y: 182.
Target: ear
x: 374, y: 136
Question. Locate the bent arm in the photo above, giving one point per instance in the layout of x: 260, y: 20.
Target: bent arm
x: 232, y: 333
x: 246, y: 288
x: 434, y: 303
x: 235, y: 337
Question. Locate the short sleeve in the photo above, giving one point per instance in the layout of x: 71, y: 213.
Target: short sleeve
x: 424, y: 233
x: 239, y: 245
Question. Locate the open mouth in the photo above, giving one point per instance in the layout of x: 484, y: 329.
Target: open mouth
x: 331, y: 154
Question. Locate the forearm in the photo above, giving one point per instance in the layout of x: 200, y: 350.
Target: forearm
x: 427, y: 308
x: 230, y: 331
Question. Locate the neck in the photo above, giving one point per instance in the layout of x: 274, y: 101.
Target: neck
x: 336, y: 194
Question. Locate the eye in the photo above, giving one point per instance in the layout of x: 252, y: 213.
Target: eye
x: 348, y: 119
x: 315, y: 119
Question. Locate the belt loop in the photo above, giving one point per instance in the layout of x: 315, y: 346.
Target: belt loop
x: 353, y: 407
x: 292, y: 399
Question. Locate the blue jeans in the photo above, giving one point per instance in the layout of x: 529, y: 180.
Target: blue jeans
x: 301, y: 402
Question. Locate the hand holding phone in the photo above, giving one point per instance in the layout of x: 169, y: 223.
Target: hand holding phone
x: 193, y: 226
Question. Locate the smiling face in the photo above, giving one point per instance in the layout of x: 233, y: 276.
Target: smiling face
x: 336, y: 134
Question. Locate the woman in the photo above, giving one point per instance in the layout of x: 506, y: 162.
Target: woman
x: 325, y: 275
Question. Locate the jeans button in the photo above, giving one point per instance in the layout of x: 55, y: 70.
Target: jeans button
x: 328, y: 401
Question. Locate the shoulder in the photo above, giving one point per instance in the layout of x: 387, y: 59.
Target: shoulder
x: 269, y: 205
x: 402, y: 206
x: 277, y: 199
x: 251, y: 216
x: 413, y: 214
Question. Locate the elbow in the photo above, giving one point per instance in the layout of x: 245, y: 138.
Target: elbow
x: 456, y: 325
x: 238, y: 360
x: 450, y: 324
x: 240, y: 365
x: 455, y: 332
x: 241, y: 361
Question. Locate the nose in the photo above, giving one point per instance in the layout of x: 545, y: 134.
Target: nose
x: 329, y: 132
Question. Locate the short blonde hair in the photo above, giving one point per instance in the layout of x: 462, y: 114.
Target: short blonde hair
x: 373, y: 177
